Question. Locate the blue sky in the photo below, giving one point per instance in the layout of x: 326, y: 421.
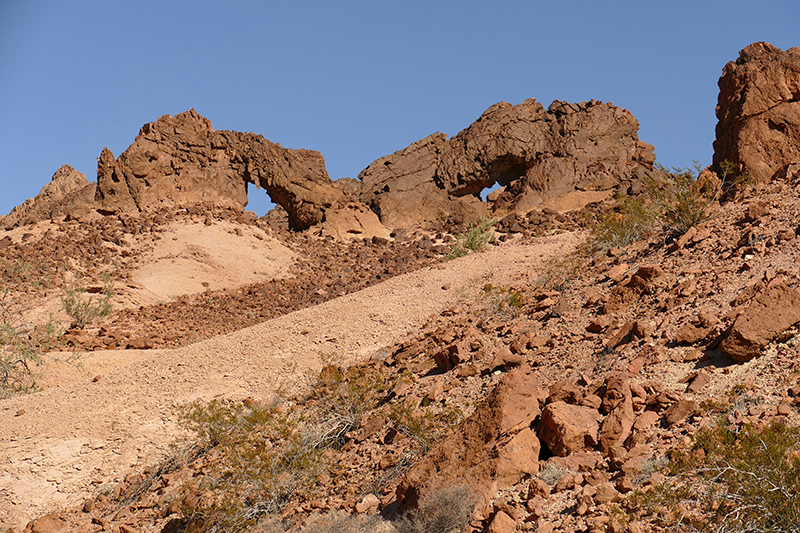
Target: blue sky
x: 354, y: 80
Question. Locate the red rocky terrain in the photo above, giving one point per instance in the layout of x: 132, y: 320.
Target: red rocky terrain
x: 551, y: 377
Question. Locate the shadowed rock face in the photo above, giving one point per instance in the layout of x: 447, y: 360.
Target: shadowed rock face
x: 536, y: 154
x: 182, y: 159
x: 758, y: 112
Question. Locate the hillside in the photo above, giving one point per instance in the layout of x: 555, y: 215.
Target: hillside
x: 330, y: 367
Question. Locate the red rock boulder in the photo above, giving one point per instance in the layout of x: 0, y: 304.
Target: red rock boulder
x: 494, y: 447
x: 758, y: 112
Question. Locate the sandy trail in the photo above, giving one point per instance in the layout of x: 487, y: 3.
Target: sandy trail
x: 59, y: 446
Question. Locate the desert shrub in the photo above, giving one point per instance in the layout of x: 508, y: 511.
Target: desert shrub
x: 506, y: 303
x: 22, y: 345
x: 83, y: 308
x: 474, y: 239
x: 559, y: 272
x: 424, y: 426
x: 262, y: 456
x: 444, y: 511
x: 552, y: 472
x: 673, y: 202
x: 745, y: 480
x: 343, y: 398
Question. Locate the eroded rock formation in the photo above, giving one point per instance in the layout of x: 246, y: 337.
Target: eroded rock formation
x: 758, y: 112
x: 585, y: 149
x: 67, y: 189
x: 182, y: 159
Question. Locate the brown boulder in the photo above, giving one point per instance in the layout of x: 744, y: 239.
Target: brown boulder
x: 758, y: 112
x: 67, y: 189
x: 774, y: 311
x: 535, y: 154
x: 618, y: 403
x: 567, y: 428
x: 493, y: 447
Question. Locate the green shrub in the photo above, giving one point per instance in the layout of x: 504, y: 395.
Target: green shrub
x: 343, y: 398
x: 84, y: 309
x: 262, y: 457
x: 424, y: 426
x: 21, y: 348
x: 744, y: 481
x: 22, y: 345
x: 474, y: 239
x: 559, y: 272
x: 506, y: 303
x: 673, y: 202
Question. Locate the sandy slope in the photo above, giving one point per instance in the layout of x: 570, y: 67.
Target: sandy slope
x: 60, y: 445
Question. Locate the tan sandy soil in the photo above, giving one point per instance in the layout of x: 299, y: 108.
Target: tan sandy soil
x: 189, y: 259
x: 62, y: 444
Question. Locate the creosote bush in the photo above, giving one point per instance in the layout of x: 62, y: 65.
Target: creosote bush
x: 673, y: 202
x: 263, y: 457
x: 83, y: 308
x: 560, y: 272
x: 733, y: 480
x: 474, y: 239
x: 424, y: 427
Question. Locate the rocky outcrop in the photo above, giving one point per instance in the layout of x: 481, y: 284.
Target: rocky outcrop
x: 67, y: 190
x: 758, y: 112
x: 588, y: 150
x: 182, y: 159
x: 493, y: 448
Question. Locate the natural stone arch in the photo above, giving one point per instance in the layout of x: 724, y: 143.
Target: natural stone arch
x: 182, y: 159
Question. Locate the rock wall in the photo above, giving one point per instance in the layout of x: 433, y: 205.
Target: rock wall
x: 535, y: 154
x: 758, y: 112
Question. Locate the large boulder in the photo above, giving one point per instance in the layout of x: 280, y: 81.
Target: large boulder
x: 493, y: 448
x: 758, y: 112
x: 568, y: 429
x: 67, y: 189
x: 588, y: 150
x: 182, y: 159
x: 771, y: 313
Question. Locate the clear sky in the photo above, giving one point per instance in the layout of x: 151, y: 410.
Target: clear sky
x: 355, y: 80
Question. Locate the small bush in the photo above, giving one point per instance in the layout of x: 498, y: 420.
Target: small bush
x: 672, y: 203
x: 507, y: 303
x: 342, y: 400
x: 552, y: 472
x: 445, y: 511
x: 558, y: 273
x: 424, y: 427
x: 474, y: 239
x: 744, y: 481
x: 263, y: 458
x: 84, y: 309
x: 22, y: 345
